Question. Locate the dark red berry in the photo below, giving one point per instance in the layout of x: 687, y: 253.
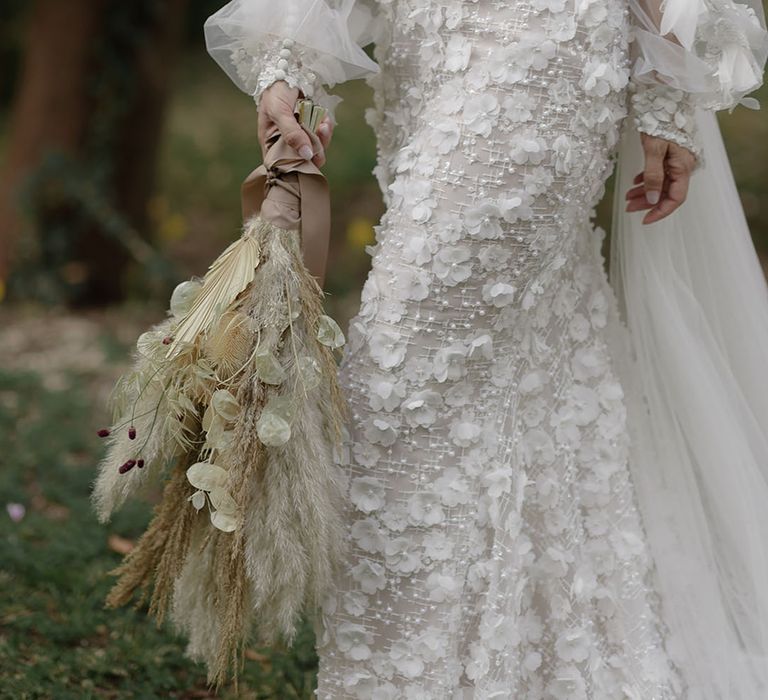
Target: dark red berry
x: 130, y: 464
x: 131, y: 433
x: 167, y: 340
x: 103, y: 432
x: 140, y: 464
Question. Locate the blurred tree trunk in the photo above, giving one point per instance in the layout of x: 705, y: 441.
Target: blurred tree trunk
x: 50, y: 110
x: 57, y: 107
x: 136, y: 147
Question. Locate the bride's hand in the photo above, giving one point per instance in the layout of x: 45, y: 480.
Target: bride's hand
x: 663, y: 186
x: 276, y: 110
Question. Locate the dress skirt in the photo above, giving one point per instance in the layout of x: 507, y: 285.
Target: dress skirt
x: 495, y: 547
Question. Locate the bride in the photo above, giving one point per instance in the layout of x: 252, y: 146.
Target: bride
x: 556, y: 479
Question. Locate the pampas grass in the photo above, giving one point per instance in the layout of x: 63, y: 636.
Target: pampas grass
x: 154, y: 563
x: 252, y: 391
x: 295, y: 532
x: 139, y: 401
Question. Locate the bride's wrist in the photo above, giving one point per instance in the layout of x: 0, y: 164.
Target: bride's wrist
x: 284, y: 63
x: 667, y: 113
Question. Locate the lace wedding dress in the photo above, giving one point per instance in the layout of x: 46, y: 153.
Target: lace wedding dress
x: 497, y: 548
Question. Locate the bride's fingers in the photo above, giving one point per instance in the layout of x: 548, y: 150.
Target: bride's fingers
x: 325, y: 132
x: 671, y: 200
x: 639, y: 204
x: 317, y: 149
x: 664, y: 208
x: 293, y: 133
x: 637, y: 180
x: 635, y: 192
x: 655, y: 150
x: 637, y: 200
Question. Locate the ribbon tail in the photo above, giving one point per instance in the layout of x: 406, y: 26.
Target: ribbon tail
x: 315, y: 224
x: 253, y: 192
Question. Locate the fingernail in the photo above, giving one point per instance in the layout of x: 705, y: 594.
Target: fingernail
x: 306, y: 152
x: 652, y: 196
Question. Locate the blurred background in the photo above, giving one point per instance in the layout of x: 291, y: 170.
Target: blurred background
x: 122, y: 150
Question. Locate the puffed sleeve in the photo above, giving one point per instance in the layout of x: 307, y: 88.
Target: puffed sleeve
x: 688, y: 54
x: 311, y: 44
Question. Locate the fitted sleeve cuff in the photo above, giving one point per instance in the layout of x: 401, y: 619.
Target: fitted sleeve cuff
x: 283, y: 60
x: 668, y: 113
x: 307, y: 43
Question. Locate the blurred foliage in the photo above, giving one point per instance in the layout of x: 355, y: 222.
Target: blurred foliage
x: 11, y: 32
x: 56, y: 638
x: 48, y: 269
x: 68, y: 196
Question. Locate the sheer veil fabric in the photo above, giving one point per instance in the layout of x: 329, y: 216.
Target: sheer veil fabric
x: 694, y: 302
x: 713, y: 49
x: 693, y: 363
x: 693, y: 346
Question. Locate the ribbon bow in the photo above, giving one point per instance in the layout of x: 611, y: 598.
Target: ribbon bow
x: 292, y: 193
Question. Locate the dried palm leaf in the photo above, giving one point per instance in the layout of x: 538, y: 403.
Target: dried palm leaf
x: 227, y: 277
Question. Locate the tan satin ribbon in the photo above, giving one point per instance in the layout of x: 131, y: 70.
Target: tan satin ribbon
x: 292, y: 193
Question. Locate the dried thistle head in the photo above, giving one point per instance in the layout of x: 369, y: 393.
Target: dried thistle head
x: 228, y: 345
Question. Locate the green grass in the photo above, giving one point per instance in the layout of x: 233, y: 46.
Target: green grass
x: 56, y: 638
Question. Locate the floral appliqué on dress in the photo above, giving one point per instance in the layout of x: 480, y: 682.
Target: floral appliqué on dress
x: 496, y: 550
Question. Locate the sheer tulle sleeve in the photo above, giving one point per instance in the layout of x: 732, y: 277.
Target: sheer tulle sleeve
x: 688, y: 54
x: 715, y: 50
x: 310, y: 44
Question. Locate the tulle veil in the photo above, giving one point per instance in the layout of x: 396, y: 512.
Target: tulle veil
x: 693, y: 357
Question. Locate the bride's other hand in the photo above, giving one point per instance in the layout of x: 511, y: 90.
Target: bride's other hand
x: 663, y: 186
x: 276, y: 111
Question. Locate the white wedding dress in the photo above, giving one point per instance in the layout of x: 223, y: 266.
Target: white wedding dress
x: 511, y: 506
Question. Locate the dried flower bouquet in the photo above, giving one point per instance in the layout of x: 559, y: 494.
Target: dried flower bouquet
x: 233, y: 404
